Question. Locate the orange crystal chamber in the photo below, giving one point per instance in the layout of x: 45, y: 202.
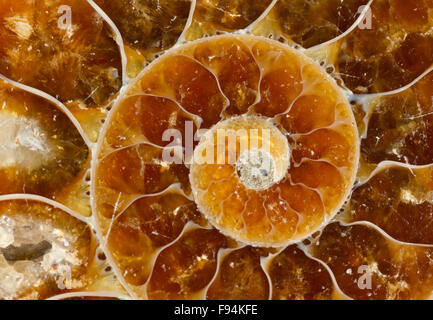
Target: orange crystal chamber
x: 207, y: 149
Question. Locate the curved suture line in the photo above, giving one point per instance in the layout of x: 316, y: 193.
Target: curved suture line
x: 173, y: 188
x: 33, y: 197
x: 261, y: 17
x: 386, y: 164
x: 331, y: 126
x: 53, y: 100
x: 189, y: 226
x: 367, y: 100
x: 227, y: 101
x: 388, y: 237
x: 117, y: 37
x: 304, y: 248
x: 197, y: 119
x: 137, y: 144
x: 264, y: 264
x: 258, y: 94
x: 344, y: 34
x: 306, y: 90
x: 321, y: 160
x: 221, y: 255
x: 317, y: 191
x: 189, y: 21
x: 407, y: 86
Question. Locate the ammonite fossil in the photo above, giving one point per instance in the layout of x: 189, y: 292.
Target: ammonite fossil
x: 209, y: 149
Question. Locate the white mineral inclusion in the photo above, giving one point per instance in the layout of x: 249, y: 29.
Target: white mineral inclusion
x: 23, y: 143
x: 20, y: 26
x: 6, y: 238
x: 256, y: 169
x: 56, y: 264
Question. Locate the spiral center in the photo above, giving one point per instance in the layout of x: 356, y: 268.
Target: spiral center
x: 256, y: 169
x: 239, y: 157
